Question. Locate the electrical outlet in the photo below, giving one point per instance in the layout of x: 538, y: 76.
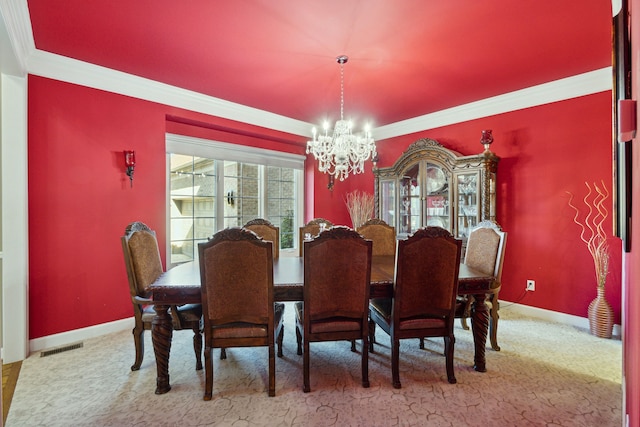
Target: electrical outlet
x: 531, y: 285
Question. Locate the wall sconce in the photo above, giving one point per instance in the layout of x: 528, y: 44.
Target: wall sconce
x: 130, y: 163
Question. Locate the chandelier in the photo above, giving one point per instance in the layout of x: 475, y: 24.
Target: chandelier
x: 343, y: 152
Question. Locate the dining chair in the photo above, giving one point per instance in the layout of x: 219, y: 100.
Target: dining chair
x: 313, y: 227
x: 424, y: 300
x: 144, y: 266
x: 267, y: 231
x: 236, y: 273
x: 485, y: 252
x: 337, y: 273
x: 382, y: 234
x: 383, y: 237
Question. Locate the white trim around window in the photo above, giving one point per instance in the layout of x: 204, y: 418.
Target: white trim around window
x: 234, y: 152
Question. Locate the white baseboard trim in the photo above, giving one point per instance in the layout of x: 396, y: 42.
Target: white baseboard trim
x: 71, y: 337
x: 554, y: 316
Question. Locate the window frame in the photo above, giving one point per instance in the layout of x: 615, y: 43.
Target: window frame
x: 223, y: 151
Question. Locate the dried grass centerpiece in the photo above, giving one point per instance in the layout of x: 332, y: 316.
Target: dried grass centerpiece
x: 592, y: 233
x: 360, y: 207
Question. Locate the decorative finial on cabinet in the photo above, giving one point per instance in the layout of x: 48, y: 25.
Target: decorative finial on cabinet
x: 487, y: 139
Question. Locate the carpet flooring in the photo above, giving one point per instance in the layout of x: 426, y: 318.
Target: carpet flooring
x: 546, y: 374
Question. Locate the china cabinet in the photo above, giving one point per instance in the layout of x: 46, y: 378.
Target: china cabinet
x: 431, y: 185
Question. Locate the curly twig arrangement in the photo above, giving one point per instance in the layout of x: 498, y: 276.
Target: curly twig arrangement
x: 360, y: 206
x: 592, y: 232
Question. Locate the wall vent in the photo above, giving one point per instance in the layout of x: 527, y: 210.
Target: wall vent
x: 61, y: 349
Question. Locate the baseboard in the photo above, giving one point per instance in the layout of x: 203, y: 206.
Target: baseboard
x: 553, y: 316
x: 70, y: 337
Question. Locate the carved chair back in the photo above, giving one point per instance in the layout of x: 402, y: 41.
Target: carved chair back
x: 427, y: 268
x: 142, y: 257
x: 312, y: 227
x: 267, y: 231
x: 485, y: 248
x: 336, y: 275
x: 382, y: 234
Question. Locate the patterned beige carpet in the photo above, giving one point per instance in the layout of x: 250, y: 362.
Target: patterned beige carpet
x: 546, y: 375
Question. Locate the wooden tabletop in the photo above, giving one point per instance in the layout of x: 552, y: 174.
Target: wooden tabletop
x: 182, y: 283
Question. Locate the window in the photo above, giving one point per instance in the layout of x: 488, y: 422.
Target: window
x: 281, y: 203
x: 212, y: 185
x: 192, y: 204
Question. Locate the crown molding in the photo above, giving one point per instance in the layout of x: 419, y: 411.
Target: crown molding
x: 558, y: 90
x: 58, y: 67
x: 46, y: 64
x: 17, y: 23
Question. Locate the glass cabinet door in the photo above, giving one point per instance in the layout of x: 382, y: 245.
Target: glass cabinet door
x: 468, y: 199
x: 410, y: 201
x: 437, y: 196
x: 387, y: 201
x: 424, y: 198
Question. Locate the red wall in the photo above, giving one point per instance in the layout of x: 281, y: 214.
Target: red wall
x: 545, y: 151
x: 80, y: 200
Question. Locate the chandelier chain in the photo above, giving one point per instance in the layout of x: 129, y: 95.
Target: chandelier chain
x: 341, y: 90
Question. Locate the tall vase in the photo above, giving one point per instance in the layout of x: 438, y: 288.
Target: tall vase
x: 600, y: 316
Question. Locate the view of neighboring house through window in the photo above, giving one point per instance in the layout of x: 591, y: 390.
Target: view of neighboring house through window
x: 242, y: 186
x: 212, y: 188
x: 192, y: 204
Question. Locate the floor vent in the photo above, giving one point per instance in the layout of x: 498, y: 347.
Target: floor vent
x: 61, y: 349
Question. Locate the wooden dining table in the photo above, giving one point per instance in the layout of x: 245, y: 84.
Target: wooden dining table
x: 181, y: 285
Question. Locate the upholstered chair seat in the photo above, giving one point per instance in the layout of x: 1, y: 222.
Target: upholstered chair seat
x: 253, y: 331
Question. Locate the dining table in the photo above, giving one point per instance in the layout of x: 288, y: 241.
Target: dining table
x: 181, y: 285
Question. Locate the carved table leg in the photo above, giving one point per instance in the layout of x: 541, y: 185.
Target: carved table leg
x: 479, y: 327
x: 161, y: 334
